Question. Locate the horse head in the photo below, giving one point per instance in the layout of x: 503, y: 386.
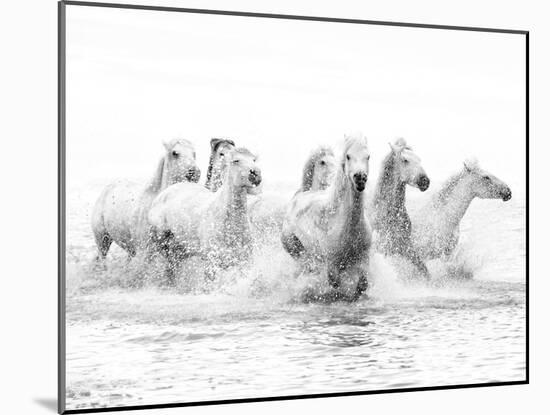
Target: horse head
x: 484, y: 184
x: 318, y: 170
x: 219, y: 148
x: 180, y: 162
x: 355, y: 161
x: 241, y: 169
x: 407, y: 165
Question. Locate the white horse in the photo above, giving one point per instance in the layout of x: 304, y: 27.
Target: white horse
x: 436, y: 225
x: 219, y: 147
x: 387, y: 211
x: 187, y: 219
x: 329, y: 226
x: 267, y: 210
x: 120, y: 213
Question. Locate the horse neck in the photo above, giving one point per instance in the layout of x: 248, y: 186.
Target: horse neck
x: 232, y: 203
x: 389, y: 196
x: 456, y: 202
x: 338, y: 189
x: 345, y: 200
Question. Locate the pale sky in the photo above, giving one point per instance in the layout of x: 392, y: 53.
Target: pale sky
x: 280, y: 88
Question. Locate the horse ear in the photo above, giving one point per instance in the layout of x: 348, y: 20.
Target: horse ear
x: 214, y: 143
x: 400, y: 142
x: 166, y: 145
x: 470, y: 164
x: 398, y: 145
x: 394, y: 148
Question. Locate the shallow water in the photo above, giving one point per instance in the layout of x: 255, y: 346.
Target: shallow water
x: 130, y: 341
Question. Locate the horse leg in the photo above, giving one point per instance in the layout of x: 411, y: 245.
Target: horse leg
x: 172, y: 254
x: 362, y: 284
x: 174, y: 259
x: 292, y: 245
x: 103, y: 241
x: 413, y: 256
x: 333, y: 274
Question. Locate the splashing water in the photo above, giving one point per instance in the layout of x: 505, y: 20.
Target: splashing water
x: 132, y: 340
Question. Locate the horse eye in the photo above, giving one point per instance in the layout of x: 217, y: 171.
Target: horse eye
x: 347, y: 156
x: 486, y: 178
x: 236, y: 161
x: 405, y: 161
x: 222, y: 154
x: 175, y: 153
x: 322, y: 163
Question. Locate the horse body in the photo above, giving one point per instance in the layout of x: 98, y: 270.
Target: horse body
x: 187, y: 219
x: 329, y: 226
x: 120, y: 213
x: 389, y: 216
x: 436, y: 225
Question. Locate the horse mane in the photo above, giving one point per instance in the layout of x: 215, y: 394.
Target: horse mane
x: 388, y: 164
x: 388, y: 167
x: 156, y: 183
x: 449, y: 186
x: 243, y: 150
x: 401, y: 142
x: 172, y: 143
x: 215, y: 143
x: 309, y: 167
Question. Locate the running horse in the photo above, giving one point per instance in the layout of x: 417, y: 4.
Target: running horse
x: 120, y: 213
x: 267, y: 210
x: 436, y: 224
x: 388, y: 214
x: 189, y: 220
x: 329, y: 227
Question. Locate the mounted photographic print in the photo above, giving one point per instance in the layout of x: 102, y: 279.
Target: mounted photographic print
x: 258, y: 206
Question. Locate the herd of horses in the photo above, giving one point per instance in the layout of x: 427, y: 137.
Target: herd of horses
x: 331, y: 223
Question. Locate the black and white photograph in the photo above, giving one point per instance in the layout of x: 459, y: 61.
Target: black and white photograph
x: 260, y: 207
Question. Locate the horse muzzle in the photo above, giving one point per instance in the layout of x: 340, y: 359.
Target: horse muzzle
x: 423, y: 183
x: 255, y: 177
x: 360, y: 180
x: 193, y: 174
x: 506, y: 195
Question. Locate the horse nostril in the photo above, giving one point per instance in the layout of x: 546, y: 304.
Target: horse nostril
x: 423, y: 183
x: 360, y: 177
x: 255, y: 177
x: 193, y: 174
x: 506, y: 195
x: 360, y: 180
